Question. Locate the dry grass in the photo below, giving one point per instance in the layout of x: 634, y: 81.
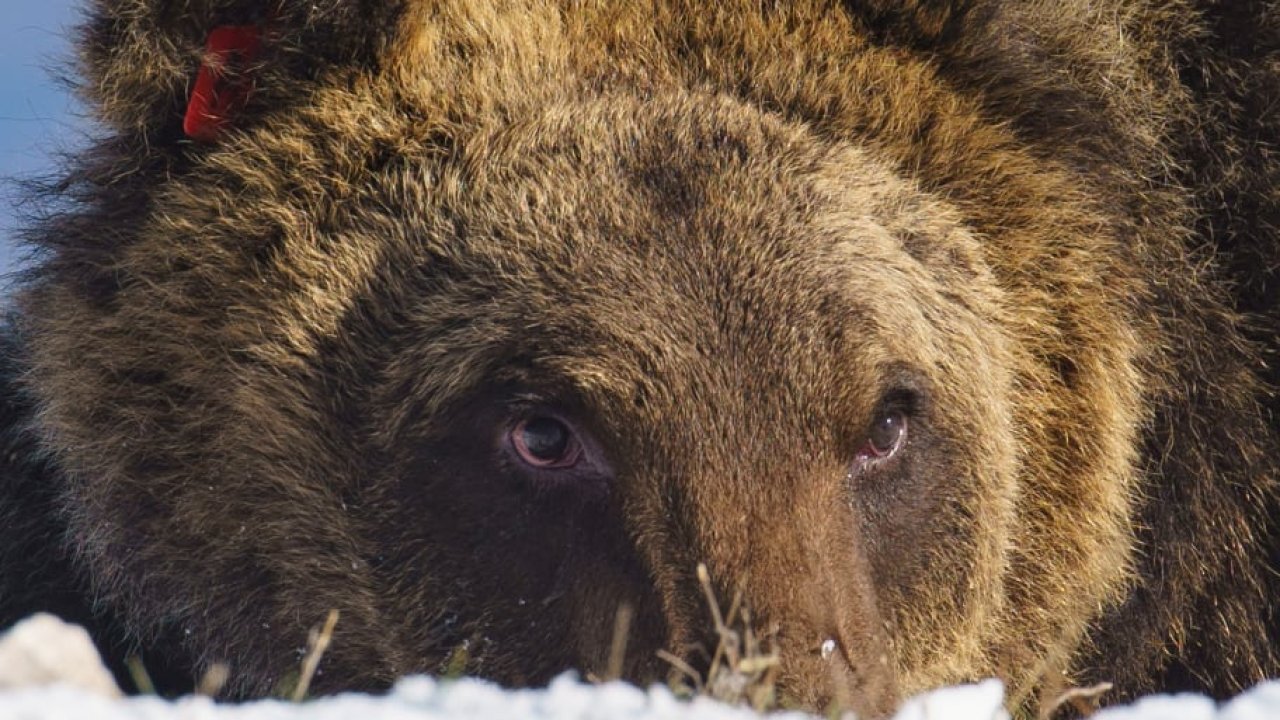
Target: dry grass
x: 216, y: 676
x: 618, y: 647
x: 213, y: 680
x: 139, y: 675
x: 743, y: 670
x: 317, y: 642
x: 1074, y: 701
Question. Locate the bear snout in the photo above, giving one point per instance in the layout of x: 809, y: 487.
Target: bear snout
x: 779, y: 596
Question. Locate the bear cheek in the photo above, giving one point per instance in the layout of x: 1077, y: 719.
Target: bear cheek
x: 926, y: 527
x: 532, y: 572
x: 899, y: 510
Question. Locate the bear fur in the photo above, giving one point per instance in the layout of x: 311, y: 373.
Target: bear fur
x: 252, y: 380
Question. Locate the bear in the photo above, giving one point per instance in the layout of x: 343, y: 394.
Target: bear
x: 940, y: 334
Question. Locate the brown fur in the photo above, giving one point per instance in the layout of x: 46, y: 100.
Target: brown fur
x: 719, y: 238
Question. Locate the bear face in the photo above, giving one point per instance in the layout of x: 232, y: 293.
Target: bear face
x: 603, y: 320
x: 480, y: 325
x: 569, y: 293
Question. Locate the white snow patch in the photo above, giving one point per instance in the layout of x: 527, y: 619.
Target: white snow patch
x: 1260, y: 703
x: 421, y: 698
x: 43, y: 650
x: 984, y: 701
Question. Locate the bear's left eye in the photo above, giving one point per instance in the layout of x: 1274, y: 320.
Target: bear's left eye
x: 885, y: 438
x: 887, y: 434
x: 545, y: 442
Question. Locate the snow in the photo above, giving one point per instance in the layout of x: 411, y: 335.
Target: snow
x: 421, y: 698
x: 1260, y: 703
x: 42, y: 650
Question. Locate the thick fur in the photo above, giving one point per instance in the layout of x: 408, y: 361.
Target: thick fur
x: 259, y: 379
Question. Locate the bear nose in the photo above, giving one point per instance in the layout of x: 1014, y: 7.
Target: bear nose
x: 832, y: 653
x: 803, y: 589
x: 815, y: 647
x: 837, y: 675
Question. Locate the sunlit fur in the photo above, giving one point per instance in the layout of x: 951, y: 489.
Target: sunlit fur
x: 717, y: 233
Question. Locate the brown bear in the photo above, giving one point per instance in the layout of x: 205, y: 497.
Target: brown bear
x: 943, y: 333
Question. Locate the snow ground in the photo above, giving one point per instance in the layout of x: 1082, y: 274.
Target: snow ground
x: 421, y: 698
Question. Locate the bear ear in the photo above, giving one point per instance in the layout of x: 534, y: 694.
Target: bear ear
x: 188, y: 68
x: 919, y: 23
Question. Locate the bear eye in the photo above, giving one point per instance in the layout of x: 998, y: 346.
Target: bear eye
x: 545, y: 442
x: 887, y: 434
x: 885, y: 438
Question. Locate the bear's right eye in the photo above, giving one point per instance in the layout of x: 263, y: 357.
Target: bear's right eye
x: 545, y: 442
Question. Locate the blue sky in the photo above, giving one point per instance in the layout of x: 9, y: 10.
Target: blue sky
x: 37, y: 117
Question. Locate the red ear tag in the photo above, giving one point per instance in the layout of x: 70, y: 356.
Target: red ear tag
x: 224, y: 82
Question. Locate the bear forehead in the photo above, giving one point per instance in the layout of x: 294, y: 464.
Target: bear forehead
x: 680, y: 195
x: 585, y: 238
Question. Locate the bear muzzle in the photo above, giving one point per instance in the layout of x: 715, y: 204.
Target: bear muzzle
x: 779, y: 588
